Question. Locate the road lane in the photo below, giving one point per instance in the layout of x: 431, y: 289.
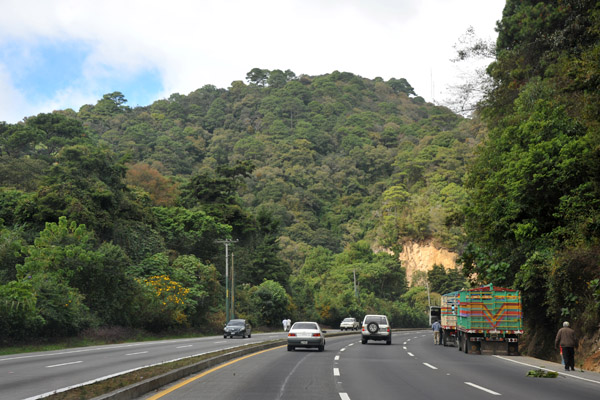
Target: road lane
x: 486, y: 374
x: 349, y: 370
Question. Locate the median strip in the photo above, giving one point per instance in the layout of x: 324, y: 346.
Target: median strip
x: 138, y: 381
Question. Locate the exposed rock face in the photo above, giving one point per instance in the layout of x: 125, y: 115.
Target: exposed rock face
x: 423, y: 256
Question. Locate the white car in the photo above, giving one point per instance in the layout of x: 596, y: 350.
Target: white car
x: 376, y: 327
x: 305, y: 334
x: 349, y: 323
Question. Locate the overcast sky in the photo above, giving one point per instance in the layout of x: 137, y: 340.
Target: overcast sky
x: 57, y: 54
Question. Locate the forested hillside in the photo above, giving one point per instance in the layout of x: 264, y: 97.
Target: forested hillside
x: 534, y: 196
x: 112, y: 215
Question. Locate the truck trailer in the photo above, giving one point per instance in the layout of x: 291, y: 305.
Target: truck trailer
x: 449, y: 310
x: 486, y: 320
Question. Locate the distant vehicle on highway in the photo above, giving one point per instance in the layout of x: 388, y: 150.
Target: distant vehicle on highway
x: 349, y: 323
x: 237, y: 327
x: 435, y: 314
x: 306, y: 334
x: 376, y: 327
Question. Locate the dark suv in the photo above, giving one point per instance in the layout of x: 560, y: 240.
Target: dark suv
x: 376, y: 327
x: 237, y: 327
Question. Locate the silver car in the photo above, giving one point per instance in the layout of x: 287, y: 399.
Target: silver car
x: 306, y: 334
x: 349, y: 323
x: 376, y: 327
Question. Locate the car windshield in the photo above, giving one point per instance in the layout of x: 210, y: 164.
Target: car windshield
x: 304, y: 325
x: 236, y: 322
x: 376, y: 318
x: 347, y: 320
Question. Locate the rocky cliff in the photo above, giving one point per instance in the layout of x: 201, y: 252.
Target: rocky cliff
x: 423, y: 256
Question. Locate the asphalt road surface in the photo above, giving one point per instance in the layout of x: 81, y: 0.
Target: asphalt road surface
x: 34, y: 375
x: 411, y: 368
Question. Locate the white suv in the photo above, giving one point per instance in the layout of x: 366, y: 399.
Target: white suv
x: 376, y: 327
x: 349, y: 323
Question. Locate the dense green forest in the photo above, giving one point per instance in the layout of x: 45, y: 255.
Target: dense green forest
x: 533, y: 215
x: 115, y: 216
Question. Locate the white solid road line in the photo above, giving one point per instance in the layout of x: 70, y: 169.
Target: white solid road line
x: 429, y: 365
x: 482, y: 388
x: 62, y: 365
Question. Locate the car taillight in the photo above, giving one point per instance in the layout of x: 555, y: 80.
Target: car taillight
x: 388, y: 329
x: 316, y: 334
x: 363, y: 328
x: 291, y: 334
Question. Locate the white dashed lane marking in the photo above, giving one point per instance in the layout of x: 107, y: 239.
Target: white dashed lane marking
x: 62, y: 365
x: 482, y: 388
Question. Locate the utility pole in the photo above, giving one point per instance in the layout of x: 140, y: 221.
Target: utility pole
x: 226, y: 242
x: 428, y: 295
x: 232, y: 289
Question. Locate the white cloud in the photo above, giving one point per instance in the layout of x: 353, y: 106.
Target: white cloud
x: 193, y: 43
x: 12, y: 102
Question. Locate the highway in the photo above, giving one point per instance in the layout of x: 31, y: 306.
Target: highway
x: 411, y: 368
x: 33, y: 375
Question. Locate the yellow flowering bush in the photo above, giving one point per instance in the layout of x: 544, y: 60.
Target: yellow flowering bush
x: 168, y: 298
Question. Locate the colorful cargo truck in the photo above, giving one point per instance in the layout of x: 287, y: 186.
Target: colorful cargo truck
x: 488, y: 319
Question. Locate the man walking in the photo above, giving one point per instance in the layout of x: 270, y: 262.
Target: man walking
x: 437, y: 330
x: 567, y: 340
